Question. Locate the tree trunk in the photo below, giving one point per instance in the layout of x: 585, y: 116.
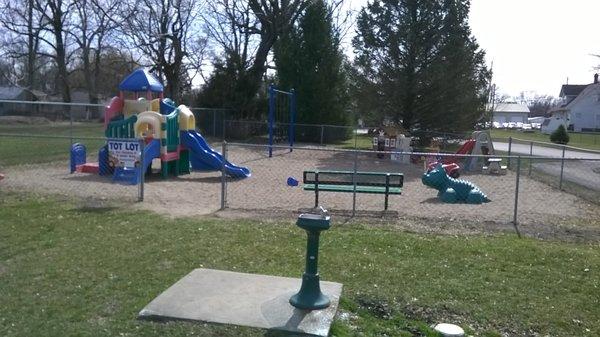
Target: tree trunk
x: 61, y: 61
x: 31, y: 48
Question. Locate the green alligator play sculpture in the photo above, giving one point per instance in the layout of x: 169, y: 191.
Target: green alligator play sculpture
x: 453, y: 190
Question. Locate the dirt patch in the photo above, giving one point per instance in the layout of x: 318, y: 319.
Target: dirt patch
x: 543, y: 211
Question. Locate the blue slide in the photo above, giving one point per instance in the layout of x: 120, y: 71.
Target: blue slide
x: 204, y: 158
x: 131, y: 176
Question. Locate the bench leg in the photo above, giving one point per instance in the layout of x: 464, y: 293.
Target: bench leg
x: 386, y: 202
x: 316, y: 198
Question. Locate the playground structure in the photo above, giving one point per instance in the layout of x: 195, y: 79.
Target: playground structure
x: 481, y: 144
x: 392, y: 139
x: 277, y: 118
x: 168, y: 133
x: 452, y: 190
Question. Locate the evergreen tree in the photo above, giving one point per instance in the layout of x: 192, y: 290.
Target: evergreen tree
x: 308, y: 58
x: 560, y: 135
x: 229, y: 87
x: 459, y: 74
x: 420, y: 59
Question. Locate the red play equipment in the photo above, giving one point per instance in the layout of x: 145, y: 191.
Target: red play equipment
x: 449, y: 163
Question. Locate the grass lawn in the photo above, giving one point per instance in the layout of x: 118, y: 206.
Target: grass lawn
x: 582, y: 140
x: 28, y: 150
x: 362, y: 142
x: 365, y: 142
x: 87, y: 272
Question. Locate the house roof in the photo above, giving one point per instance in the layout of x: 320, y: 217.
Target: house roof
x: 141, y: 80
x: 10, y: 92
x: 590, y: 89
x: 572, y: 89
x: 511, y: 108
x: 15, y: 93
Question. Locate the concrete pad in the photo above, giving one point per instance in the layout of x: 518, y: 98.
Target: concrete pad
x: 259, y: 301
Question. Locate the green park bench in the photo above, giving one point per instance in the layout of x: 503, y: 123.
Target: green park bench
x: 345, y: 181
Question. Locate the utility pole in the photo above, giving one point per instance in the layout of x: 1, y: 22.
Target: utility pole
x: 492, y: 96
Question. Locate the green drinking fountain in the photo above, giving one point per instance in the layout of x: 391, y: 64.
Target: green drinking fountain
x: 310, y: 296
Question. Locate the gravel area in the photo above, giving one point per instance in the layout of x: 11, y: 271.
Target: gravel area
x: 265, y: 194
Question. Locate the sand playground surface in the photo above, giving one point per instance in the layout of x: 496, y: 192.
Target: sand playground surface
x: 266, y: 195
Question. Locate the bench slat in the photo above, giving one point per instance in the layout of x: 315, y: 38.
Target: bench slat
x: 357, y: 172
x: 350, y: 188
x: 371, y: 179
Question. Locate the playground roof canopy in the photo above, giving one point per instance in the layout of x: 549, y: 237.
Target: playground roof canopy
x: 141, y: 80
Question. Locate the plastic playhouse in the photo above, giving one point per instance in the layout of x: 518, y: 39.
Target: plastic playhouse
x: 391, y: 139
x: 168, y: 132
x: 479, y: 144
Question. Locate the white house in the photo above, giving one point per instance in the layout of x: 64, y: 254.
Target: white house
x: 584, y: 110
x: 509, y: 112
x: 580, y: 110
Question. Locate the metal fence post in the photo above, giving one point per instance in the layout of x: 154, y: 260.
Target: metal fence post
x: 509, y: 151
x: 562, y: 168
x: 515, y: 214
x: 223, y: 131
x: 271, y: 117
x: 142, y: 171
x: 354, y: 183
x: 214, y: 113
x: 530, y: 155
x: 223, y: 177
x: 322, y: 133
x: 71, y: 126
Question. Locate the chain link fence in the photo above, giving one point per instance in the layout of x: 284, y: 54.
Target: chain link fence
x: 41, y: 164
x: 527, y: 193
x: 542, y: 184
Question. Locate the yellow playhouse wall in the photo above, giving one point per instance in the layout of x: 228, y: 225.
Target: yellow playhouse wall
x: 134, y: 107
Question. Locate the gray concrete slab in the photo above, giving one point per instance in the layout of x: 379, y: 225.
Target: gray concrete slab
x: 259, y: 301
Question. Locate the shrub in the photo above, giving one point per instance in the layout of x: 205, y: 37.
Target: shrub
x: 560, y: 135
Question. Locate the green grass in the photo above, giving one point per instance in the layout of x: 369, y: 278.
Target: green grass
x: 87, y: 272
x: 362, y: 142
x: 31, y: 150
x: 582, y: 140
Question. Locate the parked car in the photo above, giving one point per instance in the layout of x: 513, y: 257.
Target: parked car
x: 496, y: 125
x: 536, y: 126
x: 512, y: 125
x: 526, y: 128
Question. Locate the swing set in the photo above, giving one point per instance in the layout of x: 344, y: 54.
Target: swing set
x: 282, y: 108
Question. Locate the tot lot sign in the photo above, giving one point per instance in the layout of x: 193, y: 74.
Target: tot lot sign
x: 124, y: 153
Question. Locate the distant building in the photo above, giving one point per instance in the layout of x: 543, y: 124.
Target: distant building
x: 568, y: 92
x: 579, y: 110
x: 509, y: 112
x: 51, y: 111
x: 19, y: 94
x: 79, y: 109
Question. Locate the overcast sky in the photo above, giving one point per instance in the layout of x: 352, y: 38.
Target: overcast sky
x: 536, y: 44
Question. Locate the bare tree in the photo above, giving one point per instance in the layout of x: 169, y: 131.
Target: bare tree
x: 91, y: 32
x: 167, y: 35
x: 231, y: 27
x: 22, y: 23
x: 275, y: 18
x: 56, y: 20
